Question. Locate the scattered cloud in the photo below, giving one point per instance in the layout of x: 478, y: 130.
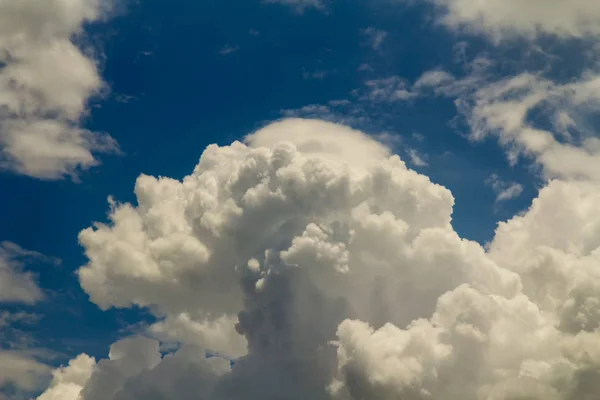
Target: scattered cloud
x: 23, y: 370
x: 433, y: 79
x: 419, y: 137
x: 228, y: 49
x: 339, y: 111
x: 254, y: 32
x: 338, y: 103
x: 22, y: 367
x: 391, y: 140
x: 559, y: 139
x: 504, y: 190
x: 124, y: 98
x: 509, y: 18
x: 375, y: 37
x: 46, y: 82
x: 17, y: 285
x: 365, y: 67
x: 314, y: 110
x: 417, y: 159
x: 390, y: 89
x: 319, y: 74
x: 15, y: 330
x: 301, y: 5
x: 502, y: 108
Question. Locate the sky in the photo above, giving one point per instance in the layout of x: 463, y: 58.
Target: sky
x: 291, y: 199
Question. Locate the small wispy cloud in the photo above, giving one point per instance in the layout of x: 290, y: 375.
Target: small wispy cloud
x: 364, y: 67
x: 375, y: 37
x: 389, y: 89
x: 419, y: 137
x: 390, y: 139
x: 16, y: 284
x: 338, y: 103
x: 318, y: 74
x: 300, y: 5
x: 504, y: 190
x: 338, y: 111
x: 23, y: 367
x: 228, y: 49
x: 417, y: 159
x: 124, y: 98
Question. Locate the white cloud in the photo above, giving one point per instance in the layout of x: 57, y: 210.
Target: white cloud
x: 300, y: 5
x: 375, y: 37
x: 228, y: 49
x: 220, y: 335
x: 509, y: 18
x: 416, y: 158
x: 560, y: 140
x: 22, y: 366
x: 321, y: 138
x: 390, y: 89
x: 17, y: 285
x: 338, y: 111
x: 45, y: 84
x: 346, y: 278
x: 502, y: 108
x: 137, y: 362
x: 433, y: 79
x: 23, y: 370
x: 504, y: 190
x: 68, y: 381
x: 318, y: 75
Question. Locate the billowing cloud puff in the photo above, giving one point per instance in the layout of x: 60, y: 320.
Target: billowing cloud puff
x: 346, y: 279
x: 508, y: 18
x: 45, y: 84
x: 68, y: 381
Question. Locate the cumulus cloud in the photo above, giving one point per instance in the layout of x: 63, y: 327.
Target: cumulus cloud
x: 342, y: 272
x: 46, y: 82
x: 509, y: 18
x: 68, y: 381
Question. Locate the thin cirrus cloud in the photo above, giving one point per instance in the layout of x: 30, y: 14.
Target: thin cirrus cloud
x: 46, y: 82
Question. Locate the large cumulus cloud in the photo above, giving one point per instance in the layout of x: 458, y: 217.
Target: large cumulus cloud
x: 329, y: 269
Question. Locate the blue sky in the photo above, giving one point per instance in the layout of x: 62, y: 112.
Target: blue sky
x: 183, y: 75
